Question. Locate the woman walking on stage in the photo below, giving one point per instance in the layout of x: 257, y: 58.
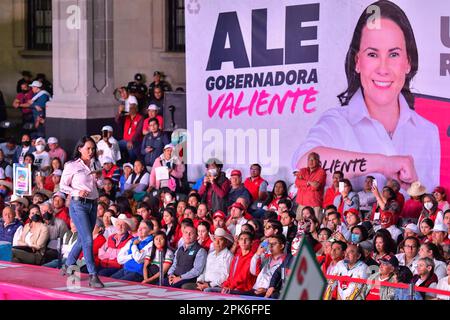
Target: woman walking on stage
x: 79, y: 180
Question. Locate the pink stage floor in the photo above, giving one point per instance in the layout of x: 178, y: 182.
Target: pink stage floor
x: 25, y: 282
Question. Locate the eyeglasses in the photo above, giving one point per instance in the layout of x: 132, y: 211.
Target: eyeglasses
x: 273, y: 244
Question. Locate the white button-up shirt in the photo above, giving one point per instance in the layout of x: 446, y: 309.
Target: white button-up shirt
x: 217, y: 268
x: 77, y: 176
x: 351, y: 128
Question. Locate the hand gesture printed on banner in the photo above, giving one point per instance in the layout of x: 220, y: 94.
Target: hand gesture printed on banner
x: 402, y: 169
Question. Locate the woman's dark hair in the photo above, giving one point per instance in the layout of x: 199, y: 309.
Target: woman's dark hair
x: 139, y: 220
x: 287, y: 202
x: 195, y: 195
x: 285, y: 189
x: 428, y: 221
x: 104, y: 205
x: 166, y: 245
x: 205, y: 224
x: 391, y: 11
x: 364, y: 232
x: 34, y: 206
x: 310, y: 209
x: 123, y: 205
x: 149, y: 223
x: 437, y: 250
x: 250, y: 227
x: 316, y: 221
x: 276, y: 225
x: 80, y: 144
x: 392, y: 195
x: 144, y: 168
x: 389, y: 246
x: 328, y: 231
x: 60, y: 164
x: 173, y: 229
x: 193, y: 209
x: 433, y: 200
x: 348, y: 183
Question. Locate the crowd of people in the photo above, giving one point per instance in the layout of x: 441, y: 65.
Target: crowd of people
x: 232, y: 233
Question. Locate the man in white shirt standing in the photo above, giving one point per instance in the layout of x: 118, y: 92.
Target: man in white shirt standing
x: 366, y: 196
x: 108, y: 146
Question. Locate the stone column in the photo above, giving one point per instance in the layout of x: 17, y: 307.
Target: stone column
x: 83, y: 70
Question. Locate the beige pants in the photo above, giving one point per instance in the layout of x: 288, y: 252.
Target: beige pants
x: 317, y: 212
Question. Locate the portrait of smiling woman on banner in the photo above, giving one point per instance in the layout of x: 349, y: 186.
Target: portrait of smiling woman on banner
x: 376, y: 130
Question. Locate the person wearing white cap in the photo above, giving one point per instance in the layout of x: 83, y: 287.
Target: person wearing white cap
x: 127, y: 169
x: 41, y: 157
x: 108, y: 146
x: 172, y: 165
x: 439, y: 235
x: 38, y: 103
x: 152, y: 113
x: 55, y: 150
x: 110, y: 170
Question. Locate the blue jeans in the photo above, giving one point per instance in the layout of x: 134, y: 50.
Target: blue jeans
x: 83, y: 216
x: 123, y: 274
x: 179, y: 283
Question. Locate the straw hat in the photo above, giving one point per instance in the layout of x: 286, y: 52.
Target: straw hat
x: 416, y: 189
x: 220, y: 232
x: 124, y: 218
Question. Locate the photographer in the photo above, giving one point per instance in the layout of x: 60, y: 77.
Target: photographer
x: 215, y: 187
x: 108, y: 146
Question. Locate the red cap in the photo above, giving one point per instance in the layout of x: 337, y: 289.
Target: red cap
x: 237, y: 205
x: 439, y: 189
x: 351, y: 210
x: 219, y: 213
x: 236, y: 173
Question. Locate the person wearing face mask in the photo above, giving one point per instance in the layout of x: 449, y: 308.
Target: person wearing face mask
x: 430, y: 210
x: 24, y: 149
x: 56, y: 229
x: 32, y: 242
x: 41, y: 157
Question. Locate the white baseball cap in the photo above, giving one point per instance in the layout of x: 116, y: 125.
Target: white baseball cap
x: 413, y: 227
x: 129, y: 165
x: 36, y: 84
x: 440, y: 227
x: 167, y: 146
x: 52, y: 140
x: 107, y: 159
x: 107, y: 128
x: 153, y: 107
x: 40, y: 140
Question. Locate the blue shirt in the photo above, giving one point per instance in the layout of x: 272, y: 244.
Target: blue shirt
x: 40, y: 102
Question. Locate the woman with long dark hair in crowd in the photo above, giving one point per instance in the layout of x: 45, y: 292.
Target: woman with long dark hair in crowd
x: 79, y: 179
x: 153, y: 263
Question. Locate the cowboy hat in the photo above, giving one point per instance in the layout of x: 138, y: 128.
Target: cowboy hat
x: 220, y: 232
x: 6, y: 183
x: 15, y: 198
x: 123, y: 218
x: 416, y: 189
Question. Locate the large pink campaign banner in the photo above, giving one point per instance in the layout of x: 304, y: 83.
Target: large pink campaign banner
x: 264, y: 76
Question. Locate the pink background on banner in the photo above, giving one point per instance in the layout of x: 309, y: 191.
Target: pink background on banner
x: 16, y: 292
x: 438, y: 112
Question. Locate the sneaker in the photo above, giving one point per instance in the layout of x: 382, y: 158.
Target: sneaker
x: 95, y: 282
x: 65, y: 270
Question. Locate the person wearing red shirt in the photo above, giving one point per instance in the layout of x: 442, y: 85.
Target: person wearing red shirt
x: 132, y: 124
x: 152, y: 113
x: 240, y: 278
x: 204, y: 239
x: 310, y: 182
x: 61, y: 211
x: 21, y: 101
x: 255, y: 184
x: 333, y: 190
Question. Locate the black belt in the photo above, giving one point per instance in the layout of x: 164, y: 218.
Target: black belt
x: 85, y: 200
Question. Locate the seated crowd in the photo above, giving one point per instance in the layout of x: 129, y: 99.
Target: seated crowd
x: 225, y: 233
